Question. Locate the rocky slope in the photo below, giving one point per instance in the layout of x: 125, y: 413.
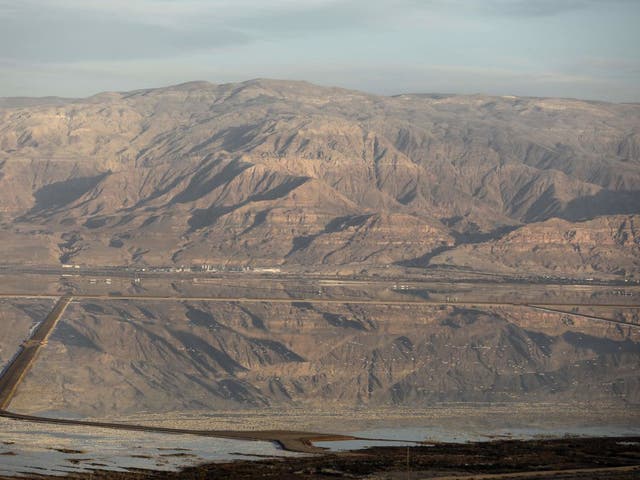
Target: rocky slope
x: 606, y: 245
x: 271, y: 173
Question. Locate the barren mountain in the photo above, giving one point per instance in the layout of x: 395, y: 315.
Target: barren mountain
x: 269, y: 173
x: 609, y: 245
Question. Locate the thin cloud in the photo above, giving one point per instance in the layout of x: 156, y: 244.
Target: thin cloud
x: 518, y: 8
x: 74, y: 30
x: 165, y: 12
x: 543, y: 8
x: 75, y: 47
x: 51, y: 35
x: 606, y: 68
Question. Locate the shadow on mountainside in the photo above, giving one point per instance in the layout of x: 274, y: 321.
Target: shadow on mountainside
x: 605, y: 202
x: 59, y: 194
x: 206, y: 217
x: 204, y: 182
x: 335, y: 225
x: 461, y: 238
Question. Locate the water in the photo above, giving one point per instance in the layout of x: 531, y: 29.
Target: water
x: 27, y: 449
x: 413, y: 436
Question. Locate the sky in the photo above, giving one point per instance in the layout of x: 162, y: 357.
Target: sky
x: 561, y: 48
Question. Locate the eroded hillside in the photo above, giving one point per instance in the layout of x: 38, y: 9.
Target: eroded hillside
x: 269, y: 173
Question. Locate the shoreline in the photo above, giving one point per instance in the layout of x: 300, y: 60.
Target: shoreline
x: 611, y: 458
x: 288, y: 440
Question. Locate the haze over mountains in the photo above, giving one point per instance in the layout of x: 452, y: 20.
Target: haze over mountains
x: 279, y: 173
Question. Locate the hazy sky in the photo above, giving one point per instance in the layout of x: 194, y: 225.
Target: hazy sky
x: 570, y: 48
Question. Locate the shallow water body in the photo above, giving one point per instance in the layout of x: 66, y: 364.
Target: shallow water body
x: 27, y: 449
x: 414, y: 436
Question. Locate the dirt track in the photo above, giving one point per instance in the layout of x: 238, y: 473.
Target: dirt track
x: 293, y: 441
x: 14, y: 373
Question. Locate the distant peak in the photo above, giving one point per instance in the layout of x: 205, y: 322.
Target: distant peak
x: 275, y: 82
x: 188, y: 86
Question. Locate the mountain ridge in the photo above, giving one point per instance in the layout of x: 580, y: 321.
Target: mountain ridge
x: 260, y: 172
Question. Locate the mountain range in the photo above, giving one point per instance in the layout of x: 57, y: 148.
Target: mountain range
x: 271, y: 173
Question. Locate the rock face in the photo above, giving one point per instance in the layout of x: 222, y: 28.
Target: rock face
x: 268, y: 173
x: 107, y: 358
x: 606, y: 245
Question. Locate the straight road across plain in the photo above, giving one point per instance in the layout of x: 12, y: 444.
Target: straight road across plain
x: 289, y: 440
x: 315, y: 300
x: 551, y: 307
x: 11, y: 377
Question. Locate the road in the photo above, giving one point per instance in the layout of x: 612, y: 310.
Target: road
x: 289, y: 440
x: 14, y: 373
x: 11, y: 377
x: 551, y: 307
x: 435, y: 275
x: 548, y: 308
x: 314, y: 300
x: 294, y: 441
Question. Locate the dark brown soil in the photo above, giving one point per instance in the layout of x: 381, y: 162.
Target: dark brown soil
x: 569, y: 458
